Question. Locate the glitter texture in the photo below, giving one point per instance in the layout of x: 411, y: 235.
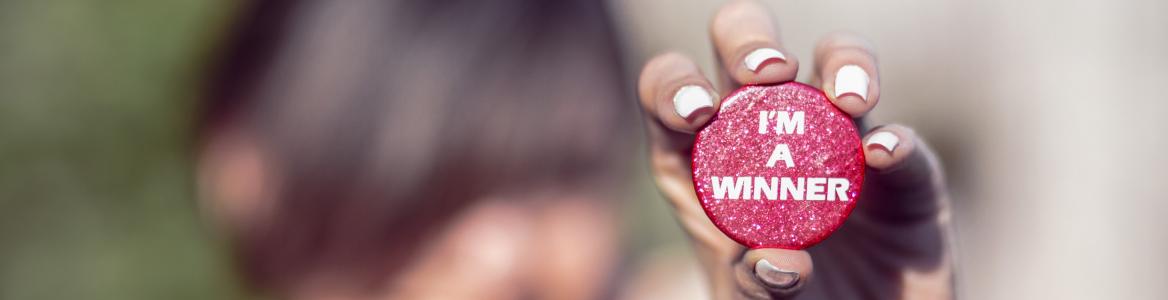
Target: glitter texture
x: 731, y: 146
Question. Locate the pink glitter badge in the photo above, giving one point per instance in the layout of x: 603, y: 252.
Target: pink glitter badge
x: 778, y: 167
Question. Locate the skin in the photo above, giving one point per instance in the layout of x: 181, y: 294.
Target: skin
x: 500, y: 250
x: 547, y: 243
x: 895, y: 245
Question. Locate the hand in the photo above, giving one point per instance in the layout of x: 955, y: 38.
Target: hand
x: 895, y: 245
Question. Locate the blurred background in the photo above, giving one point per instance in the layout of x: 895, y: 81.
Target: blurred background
x: 1047, y: 116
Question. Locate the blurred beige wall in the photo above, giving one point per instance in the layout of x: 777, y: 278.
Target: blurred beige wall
x: 1047, y: 115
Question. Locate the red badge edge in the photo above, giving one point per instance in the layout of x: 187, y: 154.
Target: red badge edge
x: 848, y: 211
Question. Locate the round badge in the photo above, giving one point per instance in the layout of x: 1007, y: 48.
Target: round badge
x: 778, y: 167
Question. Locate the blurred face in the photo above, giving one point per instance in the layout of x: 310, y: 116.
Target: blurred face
x: 548, y: 241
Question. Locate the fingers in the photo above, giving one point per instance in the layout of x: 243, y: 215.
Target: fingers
x: 674, y: 92
x: 904, y: 177
x: 846, y: 70
x: 677, y: 100
x: 746, y: 40
x: 773, y: 273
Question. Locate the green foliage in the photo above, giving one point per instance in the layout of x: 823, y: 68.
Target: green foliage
x: 95, y: 173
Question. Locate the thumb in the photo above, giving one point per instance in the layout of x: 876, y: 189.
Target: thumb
x: 773, y: 273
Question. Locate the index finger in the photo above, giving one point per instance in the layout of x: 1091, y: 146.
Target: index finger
x: 678, y: 100
x: 674, y: 92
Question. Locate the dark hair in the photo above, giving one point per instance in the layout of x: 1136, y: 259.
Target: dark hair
x: 387, y: 117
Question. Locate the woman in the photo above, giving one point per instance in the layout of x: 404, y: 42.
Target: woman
x: 364, y: 149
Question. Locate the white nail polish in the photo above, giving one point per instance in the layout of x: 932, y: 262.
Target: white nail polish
x: 775, y: 277
x: 885, y: 139
x: 761, y: 55
x: 851, y: 79
x: 690, y: 98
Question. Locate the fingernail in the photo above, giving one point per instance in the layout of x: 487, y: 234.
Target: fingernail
x: 691, y: 98
x: 775, y: 277
x: 761, y: 55
x: 851, y: 79
x: 886, y: 140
